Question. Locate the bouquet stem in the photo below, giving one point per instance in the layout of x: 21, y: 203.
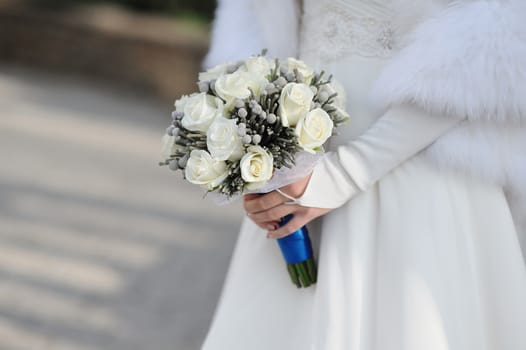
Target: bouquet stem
x: 297, y: 251
x: 303, y: 274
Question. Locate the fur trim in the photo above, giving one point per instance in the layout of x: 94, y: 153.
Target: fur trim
x: 243, y: 28
x: 496, y: 153
x: 468, y: 61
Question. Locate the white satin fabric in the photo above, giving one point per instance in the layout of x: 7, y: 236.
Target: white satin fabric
x: 416, y: 258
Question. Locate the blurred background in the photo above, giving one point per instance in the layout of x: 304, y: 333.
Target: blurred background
x: 100, y: 248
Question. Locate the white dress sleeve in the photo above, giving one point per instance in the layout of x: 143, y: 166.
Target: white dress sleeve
x: 398, y: 135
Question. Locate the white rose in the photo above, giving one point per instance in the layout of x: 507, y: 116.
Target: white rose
x: 258, y: 65
x: 257, y: 167
x: 222, y: 140
x: 200, y: 110
x: 201, y: 169
x: 214, y: 72
x: 180, y: 103
x: 314, y: 129
x: 294, y: 103
x: 307, y: 73
x: 238, y: 85
x: 167, y: 146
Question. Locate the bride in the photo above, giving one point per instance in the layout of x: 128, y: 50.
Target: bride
x: 419, y: 208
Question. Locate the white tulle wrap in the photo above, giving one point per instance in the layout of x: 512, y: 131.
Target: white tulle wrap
x: 305, y: 162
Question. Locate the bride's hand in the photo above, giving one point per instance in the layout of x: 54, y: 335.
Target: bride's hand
x: 268, y: 209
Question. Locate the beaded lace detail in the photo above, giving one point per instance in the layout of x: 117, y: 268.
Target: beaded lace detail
x: 333, y: 29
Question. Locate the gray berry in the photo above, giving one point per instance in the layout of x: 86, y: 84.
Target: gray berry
x: 256, y: 139
x: 247, y: 139
x: 314, y: 89
x: 290, y: 76
x: 271, y: 118
x: 257, y: 109
x: 270, y: 86
x: 241, y: 132
x: 242, y: 113
x: 175, y: 132
x: 283, y: 70
x: 280, y: 82
x: 323, y: 96
x: 177, y: 115
x: 173, y: 165
x: 169, y: 130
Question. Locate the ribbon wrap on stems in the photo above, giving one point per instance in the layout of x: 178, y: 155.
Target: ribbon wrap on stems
x: 297, y: 246
x: 297, y: 251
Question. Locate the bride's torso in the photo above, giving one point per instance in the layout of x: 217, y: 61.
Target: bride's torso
x: 353, y: 40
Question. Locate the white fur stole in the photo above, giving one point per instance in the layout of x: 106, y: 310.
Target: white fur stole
x: 469, y: 61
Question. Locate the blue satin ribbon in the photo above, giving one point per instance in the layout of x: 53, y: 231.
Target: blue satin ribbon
x: 295, y: 247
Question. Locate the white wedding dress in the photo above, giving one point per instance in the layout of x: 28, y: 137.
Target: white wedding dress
x: 418, y: 259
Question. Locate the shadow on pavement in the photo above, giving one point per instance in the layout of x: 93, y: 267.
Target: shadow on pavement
x: 99, y: 247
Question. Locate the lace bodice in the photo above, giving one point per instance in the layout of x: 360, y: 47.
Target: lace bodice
x: 333, y: 29
x: 351, y: 39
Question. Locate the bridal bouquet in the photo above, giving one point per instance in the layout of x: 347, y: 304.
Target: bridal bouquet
x: 246, y: 130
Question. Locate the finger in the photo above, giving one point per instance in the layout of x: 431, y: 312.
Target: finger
x: 264, y: 202
x: 298, y: 221
x: 269, y: 225
x: 274, y: 214
x: 249, y: 196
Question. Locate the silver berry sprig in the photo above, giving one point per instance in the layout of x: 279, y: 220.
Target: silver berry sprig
x: 234, y: 183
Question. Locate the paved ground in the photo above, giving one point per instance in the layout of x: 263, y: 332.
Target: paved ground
x: 99, y: 247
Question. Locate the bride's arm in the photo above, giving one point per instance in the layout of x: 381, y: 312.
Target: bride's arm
x: 398, y: 135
